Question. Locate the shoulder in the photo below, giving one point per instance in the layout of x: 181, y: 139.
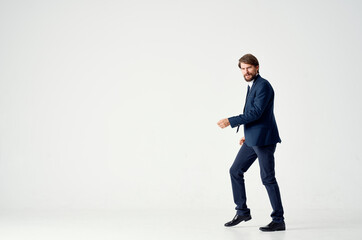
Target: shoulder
x: 262, y: 83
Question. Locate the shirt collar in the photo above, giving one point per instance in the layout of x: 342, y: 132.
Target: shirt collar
x: 251, y: 83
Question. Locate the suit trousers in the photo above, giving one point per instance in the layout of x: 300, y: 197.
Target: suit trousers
x: 244, y: 159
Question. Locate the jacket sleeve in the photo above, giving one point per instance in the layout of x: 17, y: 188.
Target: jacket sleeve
x: 263, y: 95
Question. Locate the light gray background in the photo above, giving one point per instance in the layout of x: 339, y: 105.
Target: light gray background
x: 114, y: 104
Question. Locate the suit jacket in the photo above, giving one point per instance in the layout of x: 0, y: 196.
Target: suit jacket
x: 260, y: 127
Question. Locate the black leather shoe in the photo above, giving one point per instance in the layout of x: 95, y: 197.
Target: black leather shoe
x: 237, y: 219
x: 273, y: 226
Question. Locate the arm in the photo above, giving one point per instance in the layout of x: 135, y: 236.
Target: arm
x: 261, y: 100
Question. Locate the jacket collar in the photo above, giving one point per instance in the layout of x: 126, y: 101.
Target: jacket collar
x: 256, y: 81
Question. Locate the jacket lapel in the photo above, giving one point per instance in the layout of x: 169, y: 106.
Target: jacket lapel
x: 252, y: 89
x: 256, y: 81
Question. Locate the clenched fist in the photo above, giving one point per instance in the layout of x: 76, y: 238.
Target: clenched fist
x: 223, y: 123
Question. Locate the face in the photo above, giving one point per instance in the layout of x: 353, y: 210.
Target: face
x: 249, y: 71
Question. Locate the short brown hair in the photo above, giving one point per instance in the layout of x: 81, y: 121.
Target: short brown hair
x: 249, y: 59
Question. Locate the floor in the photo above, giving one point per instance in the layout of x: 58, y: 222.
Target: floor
x: 180, y: 224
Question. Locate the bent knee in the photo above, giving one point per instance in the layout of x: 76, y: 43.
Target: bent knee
x: 269, y: 180
x: 235, y: 172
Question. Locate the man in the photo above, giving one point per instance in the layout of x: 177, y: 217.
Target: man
x: 261, y: 137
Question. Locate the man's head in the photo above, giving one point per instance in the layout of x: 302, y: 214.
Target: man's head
x: 249, y: 66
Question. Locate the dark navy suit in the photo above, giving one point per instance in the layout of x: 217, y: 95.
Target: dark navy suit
x: 261, y: 137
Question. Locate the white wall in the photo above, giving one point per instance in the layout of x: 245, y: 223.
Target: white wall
x: 114, y: 104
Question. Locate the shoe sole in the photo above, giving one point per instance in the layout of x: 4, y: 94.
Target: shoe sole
x: 275, y: 230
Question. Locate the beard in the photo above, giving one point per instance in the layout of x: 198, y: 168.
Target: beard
x: 250, y: 77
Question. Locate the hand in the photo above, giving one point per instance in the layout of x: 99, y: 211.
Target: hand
x: 242, y: 140
x: 223, y: 123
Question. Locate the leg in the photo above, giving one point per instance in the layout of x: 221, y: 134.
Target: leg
x: 245, y: 157
x: 267, y: 172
